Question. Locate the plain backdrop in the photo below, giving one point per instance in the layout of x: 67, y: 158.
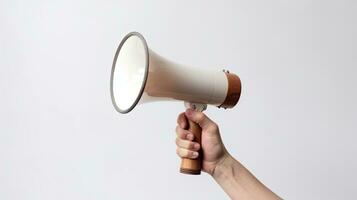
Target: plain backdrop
x: 294, y: 127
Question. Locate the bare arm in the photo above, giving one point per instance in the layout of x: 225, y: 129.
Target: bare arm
x: 231, y: 175
x: 238, y: 182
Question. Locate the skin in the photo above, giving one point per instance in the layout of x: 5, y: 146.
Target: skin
x: 230, y: 174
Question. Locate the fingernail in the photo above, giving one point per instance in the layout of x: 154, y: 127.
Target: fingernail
x: 189, y: 136
x: 196, y: 146
x: 195, y: 154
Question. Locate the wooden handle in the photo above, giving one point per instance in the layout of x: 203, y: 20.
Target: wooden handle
x: 193, y: 166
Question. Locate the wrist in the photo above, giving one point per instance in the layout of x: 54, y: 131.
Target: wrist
x: 225, y: 168
x: 238, y: 182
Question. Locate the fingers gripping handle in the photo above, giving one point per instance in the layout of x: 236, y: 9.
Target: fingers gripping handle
x: 193, y: 166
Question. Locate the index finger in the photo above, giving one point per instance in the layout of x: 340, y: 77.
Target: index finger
x: 182, y: 121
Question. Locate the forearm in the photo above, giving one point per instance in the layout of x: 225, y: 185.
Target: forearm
x: 239, y: 183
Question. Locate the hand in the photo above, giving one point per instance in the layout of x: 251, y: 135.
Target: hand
x: 214, y: 152
x: 231, y: 175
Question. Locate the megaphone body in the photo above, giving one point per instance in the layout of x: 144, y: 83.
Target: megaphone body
x: 139, y: 75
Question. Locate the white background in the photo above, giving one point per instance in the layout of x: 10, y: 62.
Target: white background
x: 294, y: 127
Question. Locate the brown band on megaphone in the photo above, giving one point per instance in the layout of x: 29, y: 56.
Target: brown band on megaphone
x: 234, y: 90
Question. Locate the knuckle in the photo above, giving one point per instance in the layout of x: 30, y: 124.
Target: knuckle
x: 180, y: 117
x: 183, y: 134
x: 179, y: 132
x: 182, y: 143
x: 191, y: 145
x: 178, y: 152
x: 185, y: 144
x: 184, y: 153
x: 177, y: 141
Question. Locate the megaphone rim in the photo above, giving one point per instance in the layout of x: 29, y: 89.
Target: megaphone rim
x: 139, y: 35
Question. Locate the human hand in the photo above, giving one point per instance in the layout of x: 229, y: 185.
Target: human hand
x: 231, y: 175
x: 213, y: 150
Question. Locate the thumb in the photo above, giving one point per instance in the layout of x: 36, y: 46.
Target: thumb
x: 200, y: 118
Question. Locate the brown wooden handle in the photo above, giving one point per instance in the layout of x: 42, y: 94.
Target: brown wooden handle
x: 193, y: 166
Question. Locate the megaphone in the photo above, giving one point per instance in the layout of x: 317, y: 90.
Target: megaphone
x: 139, y: 75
